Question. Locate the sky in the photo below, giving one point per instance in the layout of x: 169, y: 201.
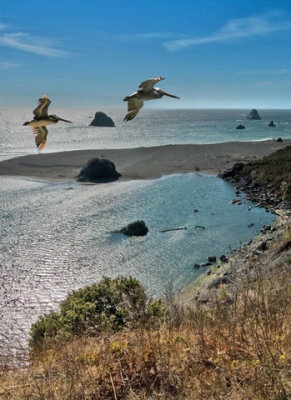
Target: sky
x: 92, y: 53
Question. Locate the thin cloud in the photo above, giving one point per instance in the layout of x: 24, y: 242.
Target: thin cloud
x: 27, y: 43
x: 7, y: 65
x: 235, y: 29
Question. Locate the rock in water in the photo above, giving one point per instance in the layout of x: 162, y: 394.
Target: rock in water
x: 137, y: 228
x: 98, y: 170
x: 254, y: 114
x: 240, y: 126
x: 101, y: 119
x: 271, y: 124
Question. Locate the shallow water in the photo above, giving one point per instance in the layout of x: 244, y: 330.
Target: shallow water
x: 55, y: 237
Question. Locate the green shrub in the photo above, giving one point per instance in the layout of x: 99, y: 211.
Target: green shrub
x: 109, y: 305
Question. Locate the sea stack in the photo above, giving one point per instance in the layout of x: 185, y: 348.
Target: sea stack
x: 240, y: 126
x: 101, y: 119
x: 98, y: 170
x: 253, y: 114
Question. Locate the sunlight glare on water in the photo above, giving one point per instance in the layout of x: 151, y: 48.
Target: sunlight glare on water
x: 56, y: 237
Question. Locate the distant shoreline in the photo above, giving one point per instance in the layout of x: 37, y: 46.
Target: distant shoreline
x: 143, y: 162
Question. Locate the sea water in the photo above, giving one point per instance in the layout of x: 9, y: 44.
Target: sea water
x: 149, y: 128
x: 57, y: 237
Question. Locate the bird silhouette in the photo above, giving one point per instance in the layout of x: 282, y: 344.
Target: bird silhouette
x: 41, y: 120
x: 145, y: 92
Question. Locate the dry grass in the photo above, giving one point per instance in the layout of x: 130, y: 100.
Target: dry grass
x: 236, y: 348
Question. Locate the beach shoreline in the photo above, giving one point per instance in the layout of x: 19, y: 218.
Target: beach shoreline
x: 143, y: 162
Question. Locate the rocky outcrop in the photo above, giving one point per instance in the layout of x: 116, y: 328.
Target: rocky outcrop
x: 253, y: 114
x: 266, y: 253
x: 267, y: 182
x: 240, y: 126
x: 137, y: 228
x: 271, y: 124
x: 98, y: 170
x: 101, y: 119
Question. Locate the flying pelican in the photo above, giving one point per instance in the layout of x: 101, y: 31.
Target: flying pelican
x: 145, y: 92
x: 41, y: 120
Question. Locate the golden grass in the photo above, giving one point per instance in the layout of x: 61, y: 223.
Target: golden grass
x: 236, y: 348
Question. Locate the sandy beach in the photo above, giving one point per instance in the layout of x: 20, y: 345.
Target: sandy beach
x: 143, y: 162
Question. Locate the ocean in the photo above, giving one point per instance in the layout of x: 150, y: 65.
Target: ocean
x: 149, y: 128
x: 57, y: 237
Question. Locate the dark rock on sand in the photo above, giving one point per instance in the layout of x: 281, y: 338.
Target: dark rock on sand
x: 240, y: 126
x: 221, y: 280
x: 137, y: 228
x: 212, y: 259
x: 101, y: 119
x: 253, y: 114
x: 265, y: 228
x: 223, y: 258
x: 262, y: 246
x: 280, y: 140
x: 98, y: 170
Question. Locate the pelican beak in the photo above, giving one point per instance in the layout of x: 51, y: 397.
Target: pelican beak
x: 65, y: 120
x: 170, y: 95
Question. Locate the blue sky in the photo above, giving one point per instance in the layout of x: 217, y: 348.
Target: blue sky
x: 92, y: 53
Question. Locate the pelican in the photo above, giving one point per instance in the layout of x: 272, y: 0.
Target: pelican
x: 41, y: 120
x: 145, y: 92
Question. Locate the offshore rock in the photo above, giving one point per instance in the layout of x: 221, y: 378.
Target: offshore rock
x: 253, y: 114
x: 98, y: 170
x: 240, y: 126
x: 137, y: 228
x: 101, y: 119
x: 271, y: 124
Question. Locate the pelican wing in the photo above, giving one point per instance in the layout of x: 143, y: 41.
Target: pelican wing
x: 40, y: 138
x: 41, y: 110
x: 150, y: 83
x: 134, y: 105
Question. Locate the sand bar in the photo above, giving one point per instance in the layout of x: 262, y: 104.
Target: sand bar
x: 142, y: 162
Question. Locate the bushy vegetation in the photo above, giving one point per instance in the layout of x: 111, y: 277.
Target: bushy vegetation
x: 110, y: 305
x: 237, y: 347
